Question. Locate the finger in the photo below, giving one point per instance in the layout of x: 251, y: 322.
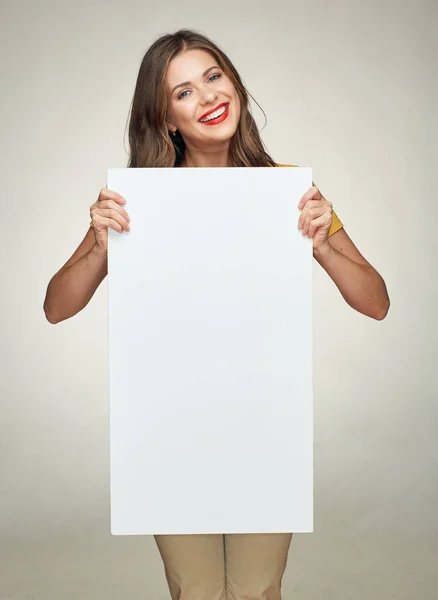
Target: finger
x: 313, y: 204
x: 309, y: 195
x: 104, y: 223
x: 107, y: 204
x: 309, y: 204
x: 307, y: 215
x: 322, y: 221
x: 106, y: 194
x: 311, y: 215
x: 108, y: 222
x: 113, y: 214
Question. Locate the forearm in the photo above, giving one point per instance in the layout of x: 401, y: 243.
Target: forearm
x: 69, y: 291
x: 360, y: 285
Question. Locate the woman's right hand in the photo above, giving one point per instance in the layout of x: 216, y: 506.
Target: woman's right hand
x: 106, y: 212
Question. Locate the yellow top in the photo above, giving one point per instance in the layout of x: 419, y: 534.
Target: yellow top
x: 336, y: 223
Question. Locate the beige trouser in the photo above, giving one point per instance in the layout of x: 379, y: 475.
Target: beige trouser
x: 224, y: 567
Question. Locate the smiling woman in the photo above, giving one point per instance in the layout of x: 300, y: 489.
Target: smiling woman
x: 191, y: 109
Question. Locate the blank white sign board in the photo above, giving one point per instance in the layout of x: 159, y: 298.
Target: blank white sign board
x: 210, y: 353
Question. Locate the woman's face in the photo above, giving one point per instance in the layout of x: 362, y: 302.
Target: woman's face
x: 202, y: 92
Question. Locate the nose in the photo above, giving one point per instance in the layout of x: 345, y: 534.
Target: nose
x: 208, y: 95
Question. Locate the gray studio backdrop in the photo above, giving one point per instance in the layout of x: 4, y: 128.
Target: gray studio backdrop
x: 349, y: 88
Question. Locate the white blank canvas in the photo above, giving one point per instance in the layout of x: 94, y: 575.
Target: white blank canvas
x: 210, y: 353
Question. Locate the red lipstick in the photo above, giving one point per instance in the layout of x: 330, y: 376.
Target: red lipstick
x: 218, y: 119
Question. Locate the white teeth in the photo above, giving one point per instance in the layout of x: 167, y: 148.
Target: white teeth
x: 215, y: 115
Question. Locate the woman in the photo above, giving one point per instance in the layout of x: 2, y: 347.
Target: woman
x: 190, y: 109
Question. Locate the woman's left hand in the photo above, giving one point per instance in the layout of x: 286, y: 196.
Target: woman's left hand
x: 316, y: 217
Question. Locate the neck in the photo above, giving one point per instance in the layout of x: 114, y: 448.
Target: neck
x: 195, y: 157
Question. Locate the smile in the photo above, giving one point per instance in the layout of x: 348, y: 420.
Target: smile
x: 219, y: 115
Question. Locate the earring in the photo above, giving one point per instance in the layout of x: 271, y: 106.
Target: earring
x: 173, y: 133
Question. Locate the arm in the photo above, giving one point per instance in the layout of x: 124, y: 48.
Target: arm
x: 73, y: 286
x: 359, y: 283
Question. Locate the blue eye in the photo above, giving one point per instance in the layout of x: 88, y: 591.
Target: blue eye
x: 209, y: 79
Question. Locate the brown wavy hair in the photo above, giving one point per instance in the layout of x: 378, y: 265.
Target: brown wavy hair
x: 151, y: 144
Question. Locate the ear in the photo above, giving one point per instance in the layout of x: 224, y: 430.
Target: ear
x: 171, y: 127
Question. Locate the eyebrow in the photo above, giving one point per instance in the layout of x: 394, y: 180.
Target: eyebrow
x: 184, y: 83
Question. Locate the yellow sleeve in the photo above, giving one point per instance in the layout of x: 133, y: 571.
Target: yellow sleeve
x: 336, y: 224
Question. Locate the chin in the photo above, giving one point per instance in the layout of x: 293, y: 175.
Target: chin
x: 222, y: 134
